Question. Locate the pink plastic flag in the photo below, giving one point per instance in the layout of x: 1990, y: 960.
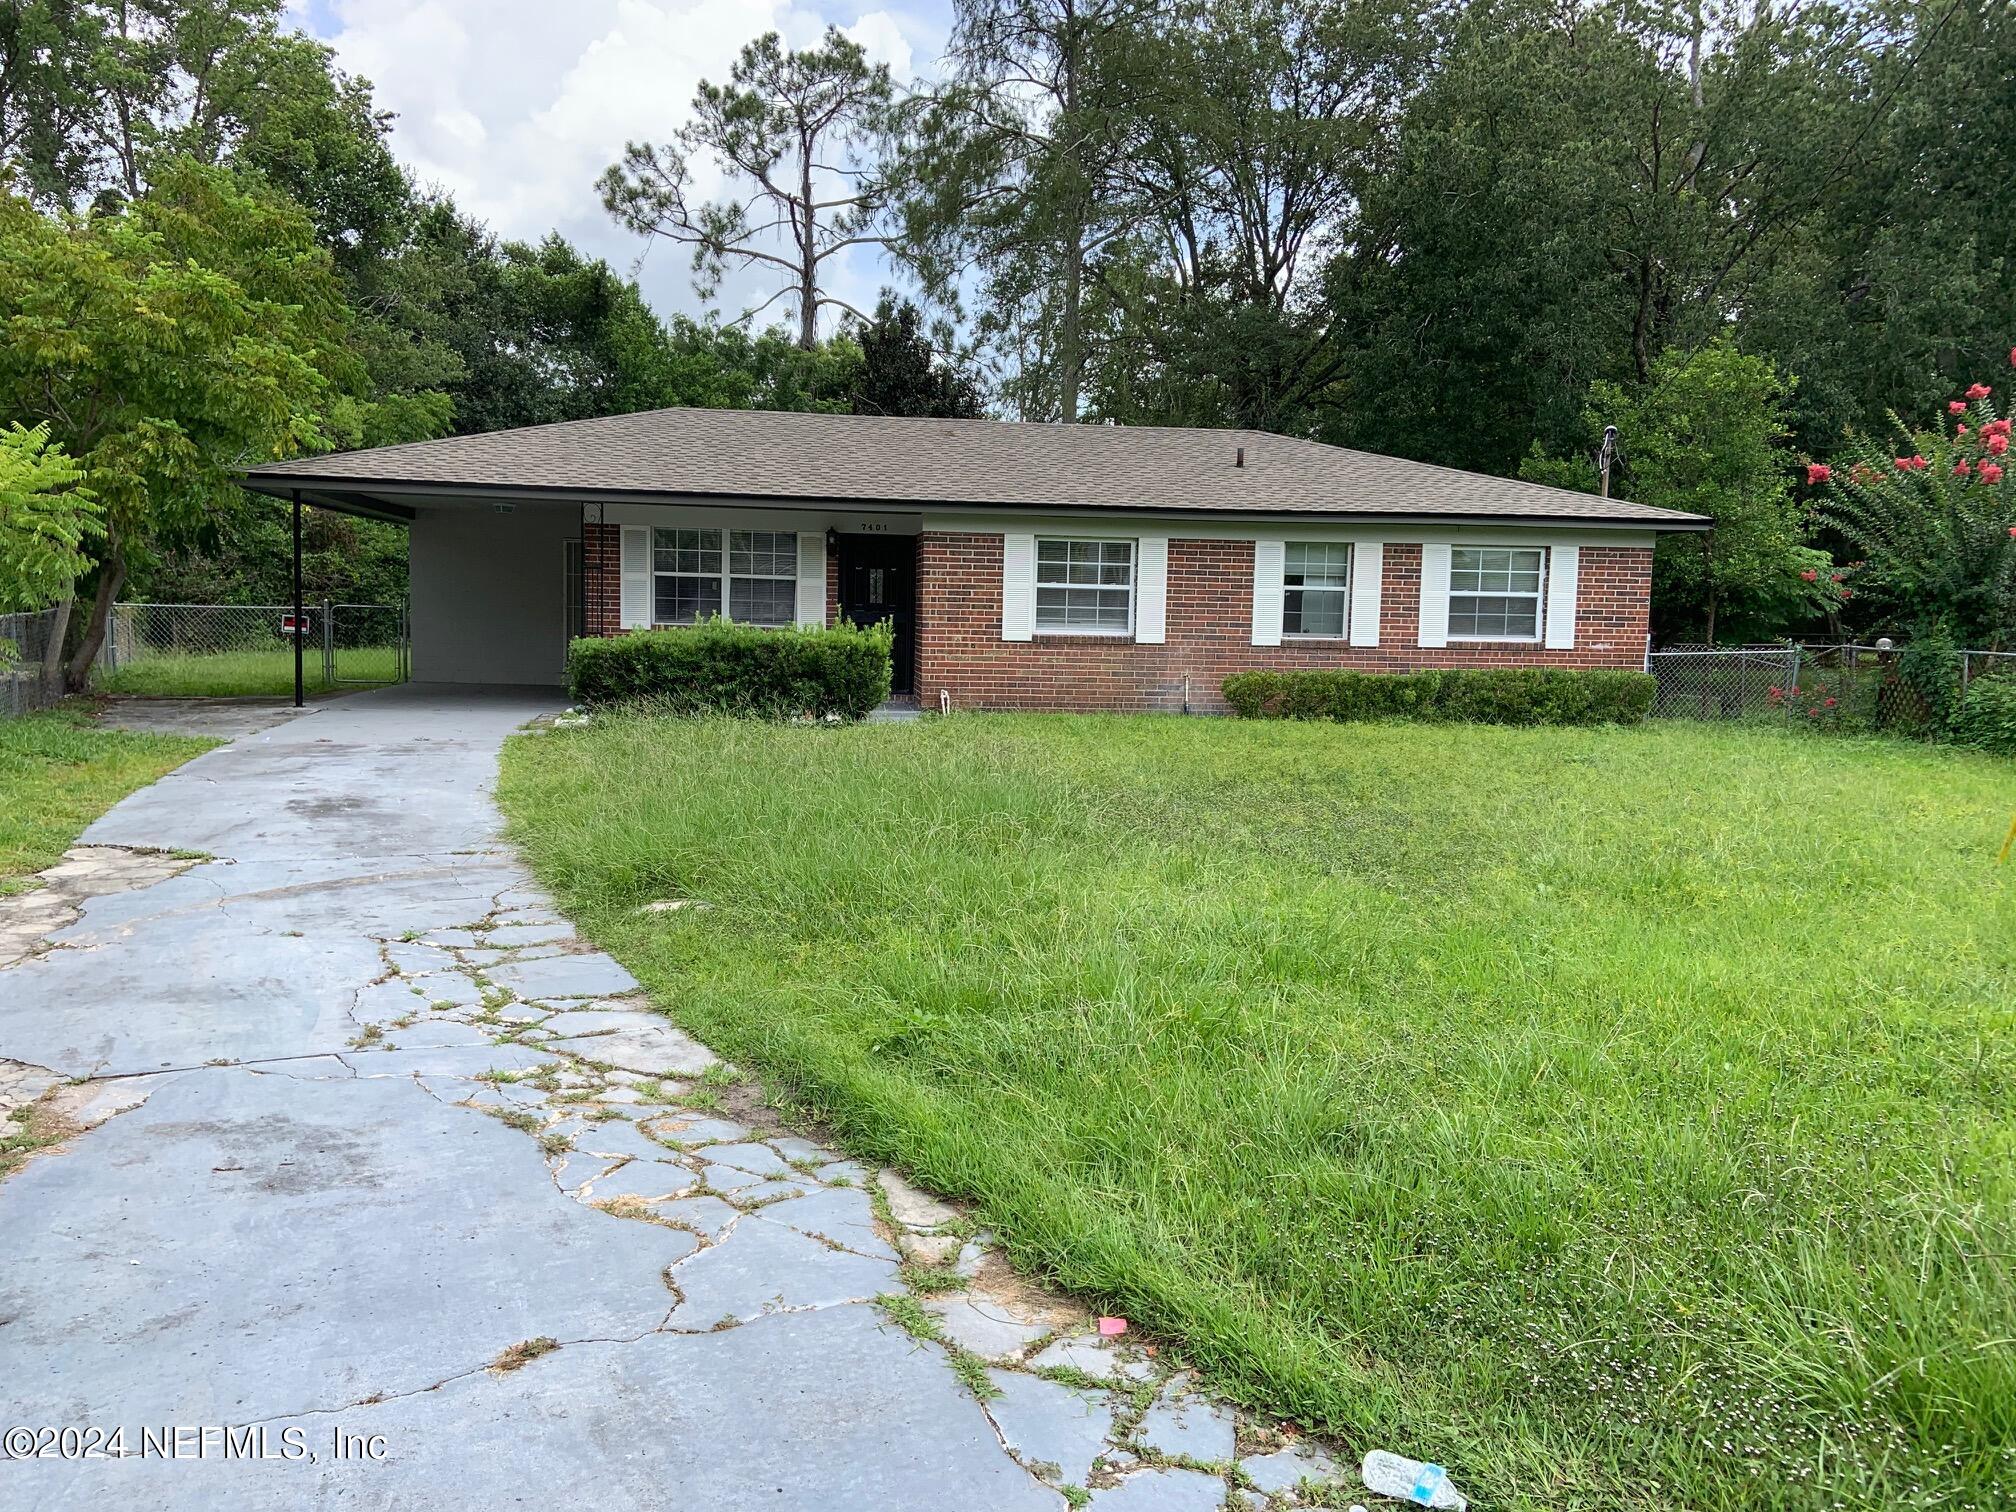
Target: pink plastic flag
x: 1112, y: 1328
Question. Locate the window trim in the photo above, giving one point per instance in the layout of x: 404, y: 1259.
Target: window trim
x: 726, y: 576
x: 1539, y: 596
x: 1037, y: 585
x: 1343, y: 634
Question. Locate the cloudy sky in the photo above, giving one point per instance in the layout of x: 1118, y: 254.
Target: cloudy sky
x: 514, y: 106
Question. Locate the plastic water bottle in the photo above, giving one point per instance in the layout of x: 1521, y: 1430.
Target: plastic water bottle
x: 1410, y: 1480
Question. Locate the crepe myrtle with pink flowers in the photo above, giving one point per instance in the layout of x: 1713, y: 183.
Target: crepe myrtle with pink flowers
x: 1933, y: 516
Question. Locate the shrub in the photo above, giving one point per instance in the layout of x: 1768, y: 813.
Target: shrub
x: 736, y: 669
x: 1987, y: 716
x: 1929, y: 666
x: 1507, y: 695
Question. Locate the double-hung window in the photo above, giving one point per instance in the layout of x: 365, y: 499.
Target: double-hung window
x: 1084, y: 587
x: 686, y: 576
x: 1494, y: 592
x: 763, y: 576
x: 698, y: 573
x: 1315, y: 588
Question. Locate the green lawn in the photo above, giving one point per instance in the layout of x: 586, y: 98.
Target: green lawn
x: 58, y: 772
x: 1621, y: 1117
x: 243, y: 674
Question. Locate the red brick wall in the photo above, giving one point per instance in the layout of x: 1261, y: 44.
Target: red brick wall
x: 1210, y: 631
x: 602, y: 577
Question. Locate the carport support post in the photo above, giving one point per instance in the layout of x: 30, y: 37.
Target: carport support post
x: 299, y: 689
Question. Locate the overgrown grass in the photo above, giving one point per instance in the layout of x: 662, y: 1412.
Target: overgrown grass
x: 243, y: 674
x: 1621, y: 1117
x: 58, y: 772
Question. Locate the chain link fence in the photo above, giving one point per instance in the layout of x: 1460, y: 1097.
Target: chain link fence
x: 221, y: 650
x: 1843, y: 685
x: 29, y: 681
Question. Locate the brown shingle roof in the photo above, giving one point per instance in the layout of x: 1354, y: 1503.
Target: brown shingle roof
x: 984, y: 463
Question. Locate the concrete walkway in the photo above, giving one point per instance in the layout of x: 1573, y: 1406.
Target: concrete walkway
x: 376, y: 1187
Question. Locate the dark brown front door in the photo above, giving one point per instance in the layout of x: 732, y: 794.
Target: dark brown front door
x: 878, y: 581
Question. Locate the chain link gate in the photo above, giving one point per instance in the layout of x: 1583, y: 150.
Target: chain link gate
x: 1699, y: 682
x: 364, y: 643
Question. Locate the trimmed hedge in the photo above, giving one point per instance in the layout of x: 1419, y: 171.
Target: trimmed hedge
x: 1986, y: 718
x: 1498, y: 695
x: 722, y: 668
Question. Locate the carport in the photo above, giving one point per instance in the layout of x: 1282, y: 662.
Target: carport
x: 494, y: 583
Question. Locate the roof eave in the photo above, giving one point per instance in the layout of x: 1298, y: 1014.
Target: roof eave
x: 352, y: 495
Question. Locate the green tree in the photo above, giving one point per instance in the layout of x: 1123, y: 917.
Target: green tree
x: 788, y: 128
x: 47, y: 517
x: 47, y: 96
x: 1706, y: 434
x: 1263, y: 126
x: 243, y: 554
x: 167, y: 346
x: 1018, y: 176
x: 901, y: 373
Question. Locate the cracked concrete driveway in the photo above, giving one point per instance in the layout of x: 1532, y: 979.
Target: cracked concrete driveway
x: 371, y: 1185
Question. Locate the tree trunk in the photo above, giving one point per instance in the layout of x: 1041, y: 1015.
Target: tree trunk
x: 1070, y: 336
x: 1070, y: 330
x: 111, y: 578
x: 808, y: 253
x: 52, y: 654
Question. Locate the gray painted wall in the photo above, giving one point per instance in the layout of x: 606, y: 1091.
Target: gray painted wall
x: 489, y: 592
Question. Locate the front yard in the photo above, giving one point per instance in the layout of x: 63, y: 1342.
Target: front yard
x: 1621, y: 1117
x: 58, y: 772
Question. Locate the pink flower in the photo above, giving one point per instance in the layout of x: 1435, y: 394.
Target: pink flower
x: 1960, y: 430
x: 1810, y: 575
x: 1997, y: 445
x: 1961, y: 469
x: 1817, y: 473
x: 1903, y: 464
x: 1830, y: 703
x: 1956, y: 407
x: 1780, y: 692
x: 1995, y: 428
x: 1836, y: 578
x: 1990, y: 473
x: 1812, y: 713
x: 1847, y: 593
x: 2012, y: 530
x: 1979, y: 391
x: 2012, y: 356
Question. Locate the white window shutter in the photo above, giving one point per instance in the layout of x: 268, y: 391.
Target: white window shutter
x: 812, y: 579
x: 1564, y: 572
x: 1368, y: 562
x: 1268, y: 559
x: 1151, y: 590
x: 636, y: 578
x: 1434, y: 596
x: 1018, y: 587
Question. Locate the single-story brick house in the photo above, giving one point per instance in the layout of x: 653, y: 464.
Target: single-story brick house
x: 1024, y: 566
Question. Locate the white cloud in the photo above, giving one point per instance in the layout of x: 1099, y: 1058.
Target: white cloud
x: 515, y: 106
